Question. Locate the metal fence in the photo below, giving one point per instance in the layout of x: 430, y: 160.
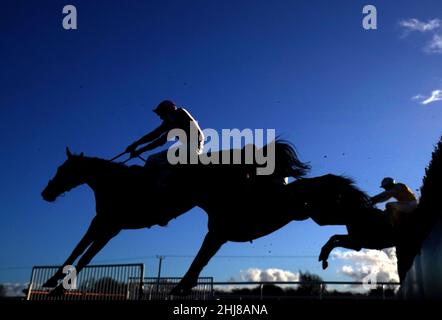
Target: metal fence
x: 96, y: 282
x: 159, y: 289
x: 127, y: 282
x: 206, y: 289
x: 284, y: 290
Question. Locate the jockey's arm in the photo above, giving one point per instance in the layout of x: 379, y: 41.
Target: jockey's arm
x: 382, y: 197
x: 156, y: 143
x: 151, y: 136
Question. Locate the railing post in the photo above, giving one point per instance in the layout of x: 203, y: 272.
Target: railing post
x: 141, y: 290
x: 28, y: 294
x: 261, y: 289
x: 383, y: 292
x: 159, y: 273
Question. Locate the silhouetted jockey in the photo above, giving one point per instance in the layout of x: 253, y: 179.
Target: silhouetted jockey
x: 406, y: 203
x: 173, y: 118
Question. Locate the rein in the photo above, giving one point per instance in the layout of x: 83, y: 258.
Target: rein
x: 123, y: 153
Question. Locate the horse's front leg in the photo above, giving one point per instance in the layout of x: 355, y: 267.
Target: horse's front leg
x: 102, y: 238
x: 212, y: 243
x: 337, y: 240
x: 79, y: 249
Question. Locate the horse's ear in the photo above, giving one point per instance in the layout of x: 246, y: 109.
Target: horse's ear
x: 68, y: 152
x: 82, y: 154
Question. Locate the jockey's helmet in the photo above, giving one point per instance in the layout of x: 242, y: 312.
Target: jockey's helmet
x: 165, y: 106
x: 386, y: 182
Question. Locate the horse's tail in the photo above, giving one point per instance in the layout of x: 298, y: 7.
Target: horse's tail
x: 287, y: 162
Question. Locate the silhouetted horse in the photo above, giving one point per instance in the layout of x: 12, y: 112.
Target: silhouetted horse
x: 133, y: 197
x: 259, y: 210
x: 240, y: 205
x: 367, y: 226
x: 334, y: 200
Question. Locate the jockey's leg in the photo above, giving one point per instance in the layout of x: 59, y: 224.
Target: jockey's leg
x: 401, y: 210
x: 156, y: 159
x: 392, y: 211
x: 398, y: 210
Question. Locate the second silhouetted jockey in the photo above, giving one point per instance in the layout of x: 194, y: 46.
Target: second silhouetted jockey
x: 173, y: 118
x: 405, y: 204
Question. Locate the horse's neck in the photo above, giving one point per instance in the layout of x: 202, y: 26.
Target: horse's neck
x: 97, y: 171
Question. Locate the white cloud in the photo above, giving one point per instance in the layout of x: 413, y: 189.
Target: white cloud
x: 261, y: 275
x: 270, y: 274
x: 433, y: 26
x: 436, y: 95
x: 15, y: 289
x: 418, y: 97
x: 435, y: 45
x: 347, y: 269
x: 368, y: 262
x: 417, y: 25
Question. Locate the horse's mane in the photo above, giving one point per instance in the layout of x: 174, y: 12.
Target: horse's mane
x: 104, y: 163
x: 338, y: 189
x: 359, y: 195
x: 420, y: 223
x: 432, y: 182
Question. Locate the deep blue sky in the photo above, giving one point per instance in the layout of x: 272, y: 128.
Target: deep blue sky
x: 340, y: 93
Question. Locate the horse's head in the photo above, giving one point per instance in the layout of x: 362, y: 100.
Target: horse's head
x: 69, y: 175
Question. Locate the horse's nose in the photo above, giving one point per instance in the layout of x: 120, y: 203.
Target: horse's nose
x: 46, y: 196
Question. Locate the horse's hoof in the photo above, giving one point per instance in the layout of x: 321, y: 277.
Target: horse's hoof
x: 175, y: 290
x: 180, y: 291
x: 324, y: 254
x: 57, y: 292
x: 324, y: 264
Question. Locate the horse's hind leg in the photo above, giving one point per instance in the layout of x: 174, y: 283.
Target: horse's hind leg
x: 338, y: 240
x: 79, y: 249
x: 208, y: 249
